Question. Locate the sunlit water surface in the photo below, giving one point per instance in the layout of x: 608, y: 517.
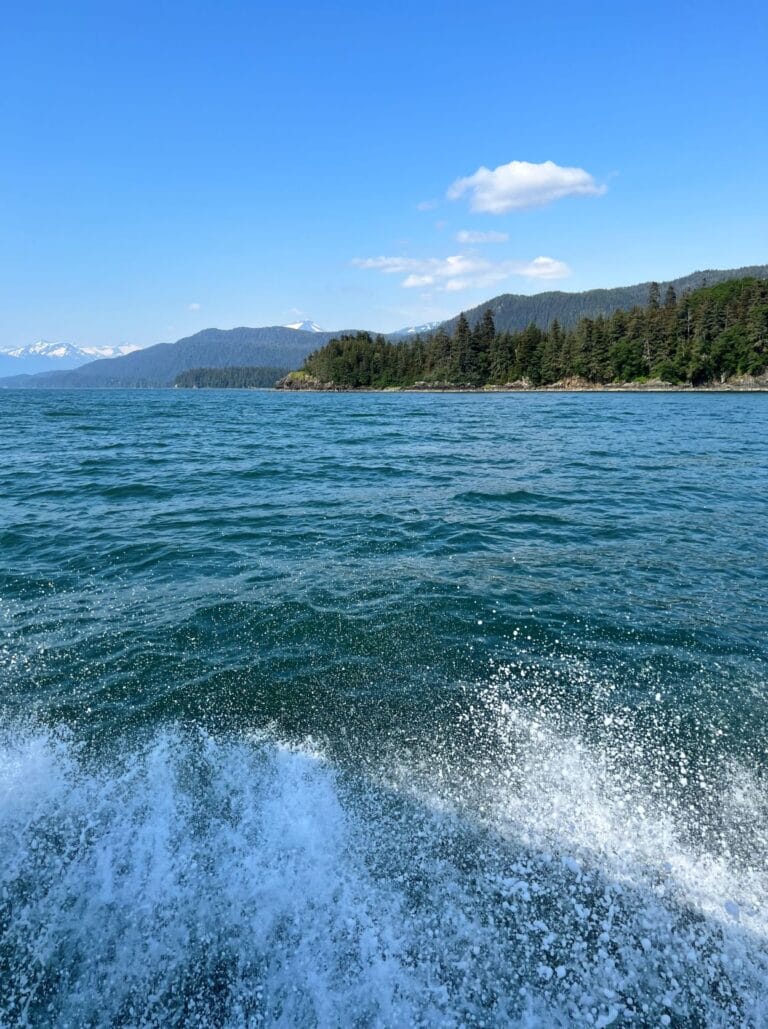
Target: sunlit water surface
x: 383, y: 710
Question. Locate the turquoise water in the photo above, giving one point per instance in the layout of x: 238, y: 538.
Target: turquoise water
x: 383, y: 710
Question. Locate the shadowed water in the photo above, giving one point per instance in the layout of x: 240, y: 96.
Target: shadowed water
x: 383, y: 709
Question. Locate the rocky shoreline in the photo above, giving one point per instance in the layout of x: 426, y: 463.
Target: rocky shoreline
x: 302, y: 382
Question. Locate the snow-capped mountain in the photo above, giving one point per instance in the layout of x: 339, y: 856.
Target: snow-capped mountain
x: 45, y: 356
x: 124, y: 348
x: 305, y: 326
x: 417, y: 330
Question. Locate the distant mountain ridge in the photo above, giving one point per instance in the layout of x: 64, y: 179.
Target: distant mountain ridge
x: 513, y: 312
x: 46, y: 355
x: 269, y: 347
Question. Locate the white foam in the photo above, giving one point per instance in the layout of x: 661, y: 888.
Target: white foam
x: 235, y: 881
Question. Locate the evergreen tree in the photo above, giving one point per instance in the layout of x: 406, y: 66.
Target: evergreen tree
x: 461, y: 357
x: 478, y: 361
x: 552, y: 354
x: 598, y: 354
x: 439, y: 356
x: 501, y: 358
x: 528, y: 355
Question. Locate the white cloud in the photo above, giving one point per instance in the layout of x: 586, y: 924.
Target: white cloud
x: 427, y: 205
x: 520, y: 184
x: 194, y: 307
x: 545, y: 268
x: 461, y: 271
x: 470, y: 236
x: 395, y: 265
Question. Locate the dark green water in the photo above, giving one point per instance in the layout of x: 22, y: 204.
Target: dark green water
x: 383, y: 710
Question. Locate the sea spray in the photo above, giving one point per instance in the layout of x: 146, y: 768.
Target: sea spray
x: 234, y: 881
x: 213, y: 882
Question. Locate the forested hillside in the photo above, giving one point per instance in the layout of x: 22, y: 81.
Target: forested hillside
x: 701, y: 337
x: 273, y: 347
x: 229, y: 378
x: 514, y: 312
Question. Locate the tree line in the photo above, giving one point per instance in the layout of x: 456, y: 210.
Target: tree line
x: 703, y: 336
x: 229, y: 378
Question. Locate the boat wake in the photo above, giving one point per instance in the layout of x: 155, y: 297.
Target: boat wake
x: 204, y: 880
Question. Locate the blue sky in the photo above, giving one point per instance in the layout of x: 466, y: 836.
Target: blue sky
x: 171, y: 166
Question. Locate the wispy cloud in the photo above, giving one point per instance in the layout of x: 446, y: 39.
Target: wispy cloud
x: 471, y: 236
x: 545, y: 268
x: 427, y: 205
x: 520, y: 184
x: 194, y: 307
x: 461, y: 271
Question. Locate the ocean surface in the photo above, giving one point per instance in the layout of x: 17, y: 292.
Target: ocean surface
x: 383, y: 710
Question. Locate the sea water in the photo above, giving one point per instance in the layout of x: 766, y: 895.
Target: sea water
x: 383, y: 710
